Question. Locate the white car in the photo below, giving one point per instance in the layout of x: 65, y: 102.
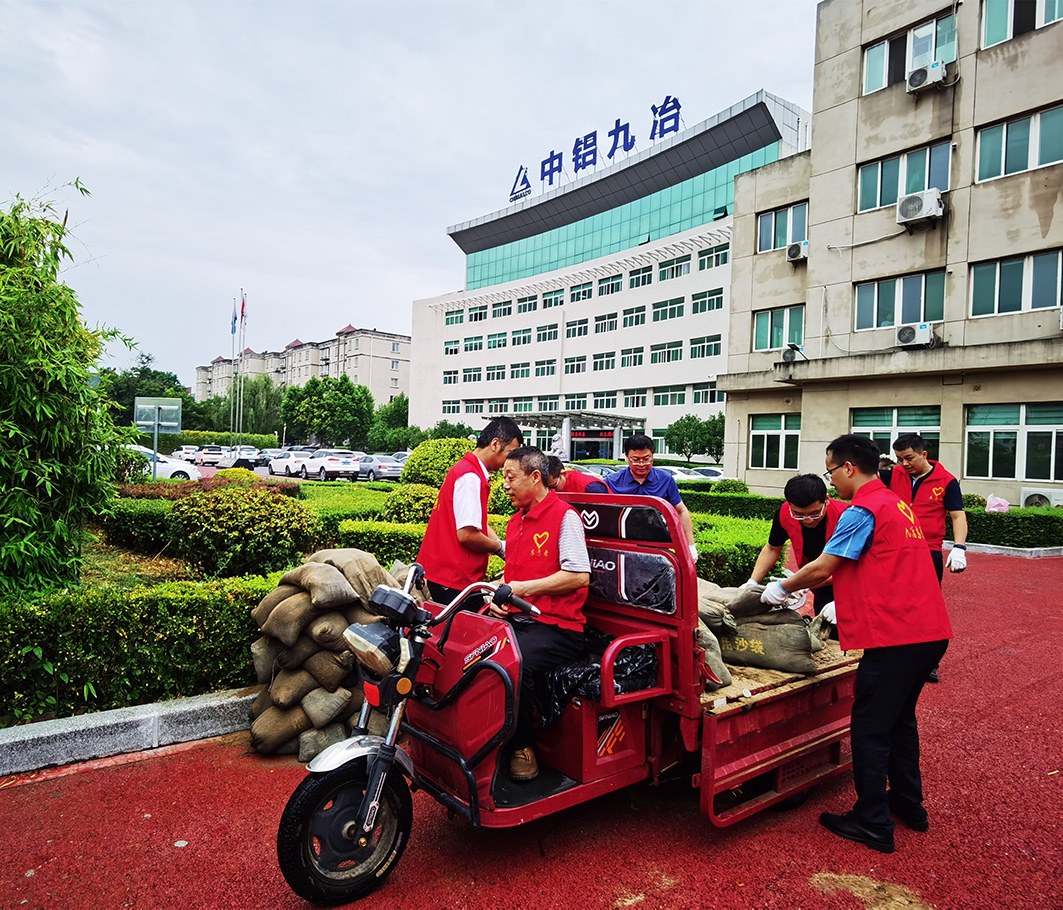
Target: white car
x: 166, y: 468
x: 185, y: 453
x: 286, y: 463
x: 708, y: 473
x: 679, y: 473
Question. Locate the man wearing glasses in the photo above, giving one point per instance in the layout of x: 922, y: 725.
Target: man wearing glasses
x: 641, y: 478
x: 889, y: 605
x: 807, y: 519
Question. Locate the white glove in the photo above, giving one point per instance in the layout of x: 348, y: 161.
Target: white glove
x: 750, y: 583
x: 694, y: 552
x: 774, y: 594
x: 828, y: 613
x: 957, y: 560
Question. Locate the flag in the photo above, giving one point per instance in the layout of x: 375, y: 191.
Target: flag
x: 243, y: 307
x: 232, y: 330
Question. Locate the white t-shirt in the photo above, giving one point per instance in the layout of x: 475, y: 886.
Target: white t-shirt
x: 468, y: 512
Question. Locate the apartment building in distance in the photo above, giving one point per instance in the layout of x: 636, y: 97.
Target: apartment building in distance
x: 599, y: 307
x: 926, y: 295
x: 378, y: 360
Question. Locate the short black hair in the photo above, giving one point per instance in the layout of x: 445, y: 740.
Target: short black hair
x: 638, y: 442
x: 805, y: 489
x: 912, y: 441
x: 554, y: 467
x: 859, y: 451
x: 531, y: 459
x: 504, y: 429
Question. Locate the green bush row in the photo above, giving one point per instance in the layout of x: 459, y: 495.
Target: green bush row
x: 1016, y: 528
x: 170, y: 441
x: 738, y: 505
x: 95, y: 649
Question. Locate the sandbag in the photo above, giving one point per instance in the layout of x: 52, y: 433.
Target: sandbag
x: 277, y: 726
x: 327, y: 630
x: 282, y: 592
x: 313, y: 742
x: 325, y: 583
x: 290, y: 686
x: 711, y: 609
x: 360, y: 569
x: 262, y: 703
x: 323, y: 707
x: 356, y: 613
x: 264, y: 653
x: 780, y: 643
x: 714, y: 672
x: 289, y: 617
x: 294, y: 657
x: 330, y: 668
x: 400, y: 571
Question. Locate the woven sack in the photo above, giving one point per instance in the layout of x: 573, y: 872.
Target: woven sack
x: 774, y: 641
x: 264, y: 654
x: 326, y: 584
x: 289, y: 617
x: 282, y: 592
x: 294, y: 657
x: 327, y: 630
x: 277, y: 726
x: 290, y: 686
x: 330, y: 668
x: 313, y: 742
x: 323, y: 707
x: 262, y: 703
x: 717, y: 675
x: 359, y: 568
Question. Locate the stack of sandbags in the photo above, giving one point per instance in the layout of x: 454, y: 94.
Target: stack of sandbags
x: 310, y: 675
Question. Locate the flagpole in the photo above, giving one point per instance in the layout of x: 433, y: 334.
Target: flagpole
x: 232, y: 371
x: 243, y: 345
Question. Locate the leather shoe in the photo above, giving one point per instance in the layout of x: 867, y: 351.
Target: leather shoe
x: 913, y: 816
x: 851, y: 828
x: 523, y: 766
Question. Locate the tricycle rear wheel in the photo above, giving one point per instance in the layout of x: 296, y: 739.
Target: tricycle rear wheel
x: 319, y: 859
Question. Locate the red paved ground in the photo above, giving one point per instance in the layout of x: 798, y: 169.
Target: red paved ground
x: 106, y: 834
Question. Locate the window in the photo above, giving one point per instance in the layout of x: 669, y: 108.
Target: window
x: 576, y: 329
x: 1021, y: 145
x: 703, y: 301
x: 773, y: 440
x: 668, y: 309
x: 889, y: 62
x: 1015, y: 441
x: 497, y: 405
x: 496, y: 340
x: 1006, y: 19
x: 774, y: 329
x: 669, y: 352
x: 670, y: 395
x: 450, y: 347
x: 474, y: 406
x: 631, y: 357
x: 884, y: 182
x: 394, y: 364
x: 611, y: 285
x: 451, y: 406
x: 901, y: 301
x: 604, y: 400
x: 496, y: 373
x: 575, y: 401
x: 778, y: 229
x: 454, y: 317
x: 1016, y: 284
x: 394, y: 347
x: 576, y: 364
x: 545, y: 367
x: 522, y: 405
x: 605, y: 323
x: 471, y: 374
x: 527, y: 304
x: 606, y: 361
x: 884, y: 425
x: 478, y: 313
x: 705, y: 393
x: 519, y: 370
x: 705, y: 346
x: 546, y: 333
x: 660, y: 441
x: 553, y: 298
x: 581, y: 292
x: 521, y: 336
x: 450, y: 377
x: 550, y: 403
x: 638, y: 278
x: 474, y: 343
x: 714, y: 257
x: 674, y: 268
x: 502, y: 308
x: 633, y: 316
x: 634, y: 398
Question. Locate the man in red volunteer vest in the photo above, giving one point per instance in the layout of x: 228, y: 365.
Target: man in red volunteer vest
x: 458, y: 539
x: 931, y: 491
x: 546, y: 564
x: 888, y: 604
x: 807, y: 519
x: 564, y: 480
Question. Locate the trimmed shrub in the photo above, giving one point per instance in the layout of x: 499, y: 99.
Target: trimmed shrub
x: 1015, y: 528
x: 379, y: 486
x: 430, y: 461
x: 411, y: 502
x: 497, y: 501
x: 728, y: 547
x: 168, y: 442
x: 973, y: 501
x: 738, y: 505
x: 729, y: 486
x: 241, y: 531
x: 178, y: 489
x: 141, y: 525
x: 387, y: 541
x: 240, y: 477
x: 334, y: 503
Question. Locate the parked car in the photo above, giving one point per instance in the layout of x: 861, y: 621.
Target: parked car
x: 711, y: 473
x: 379, y: 467
x: 602, y: 470
x: 185, y: 453
x: 400, y: 457
x: 209, y: 455
x: 265, y: 456
x: 166, y: 468
x: 330, y: 464
x: 239, y: 457
x: 284, y: 463
x: 678, y: 473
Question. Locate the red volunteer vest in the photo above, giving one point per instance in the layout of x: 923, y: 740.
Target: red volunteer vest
x: 532, y: 540
x: 890, y: 595
x: 445, y: 560
x: 835, y: 507
x: 578, y: 481
x: 929, y: 504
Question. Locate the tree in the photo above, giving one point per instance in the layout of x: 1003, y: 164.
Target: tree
x: 143, y: 380
x: 59, y: 444
x: 714, y: 428
x: 447, y: 430
x: 687, y: 436
x: 262, y: 405
x: 332, y: 410
x: 292, y: 411
x: 390, y: 431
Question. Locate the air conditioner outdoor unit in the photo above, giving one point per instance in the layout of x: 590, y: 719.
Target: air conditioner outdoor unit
x: 919, y: 207
x: 925, y: 76
x: 797, y: 252
x: 910, y: 335
x: 1041, y: 497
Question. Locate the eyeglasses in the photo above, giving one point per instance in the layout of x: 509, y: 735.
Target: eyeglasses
x: 816, y: 516
x: 646, y: 460
x: 828, y: 475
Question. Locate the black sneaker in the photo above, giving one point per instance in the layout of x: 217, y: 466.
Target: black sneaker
x: 851, y: 828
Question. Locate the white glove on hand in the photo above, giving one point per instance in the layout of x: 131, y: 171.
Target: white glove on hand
x: 829, y: 614
x: 750, y: 583
x: 957, y: 560
x: 774, y: 594
x: 693, y: 552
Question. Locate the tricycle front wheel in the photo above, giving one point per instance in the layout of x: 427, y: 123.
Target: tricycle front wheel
x: 319, y: 856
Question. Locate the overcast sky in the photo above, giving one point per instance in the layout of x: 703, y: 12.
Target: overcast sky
x: 314, y: 153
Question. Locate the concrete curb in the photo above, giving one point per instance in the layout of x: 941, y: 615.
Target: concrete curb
x: 1023, y: 552
x: 31, y: 747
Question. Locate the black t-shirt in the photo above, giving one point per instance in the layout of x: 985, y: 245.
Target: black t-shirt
x: 813, y: 539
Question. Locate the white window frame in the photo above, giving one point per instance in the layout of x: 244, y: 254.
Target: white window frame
x: 640, y: 277
x: 577, y: 328
x: 1040, y: 19
x: 604, y: 400
x: 669, y: 396
x: 579, y: 292
x: 899, y: 282
x: 501, y: 309
x: 451, y: 406
x: 472, y: 374
x: 454, y: 317
x: 528, y: 304
x: 673, y: 268
x: 497, y: 340
x: 548, y: 403
x: 634, y: 316
x: 706, y: 393
x: 521, y: 370
x: 634, y: 398
x: 478, y: 313
x: 1033, y: 161
x: 603, y: 361
x: 451, y: 347
x: 666, y: 352
x: 904, y: 160
x: 789, y: 429
x: 575, y: 401
x: 553, y: 298
x: 613, y: 284
x: 474, y: 405
x: 450, y: 377
x: 789, y: 335
x: 706, y: 301
x: 1026, y: 296
x: 705, y: 346
x: 791, y: 234
x: 545, y: 333
x: 473, y: 343
x: 632, y: 357
x: 523, y: 404
x: 714, y: 257
x: 496, y: 372
x: 520, y: 336
x: 1022, y: 430
x: 606, y: 322
x: 546, y: 367
x: 669, y: 309
x: 577, y: 364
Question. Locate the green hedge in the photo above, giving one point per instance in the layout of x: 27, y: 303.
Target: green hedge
x: 95, y: 649
x: 1016, y: 528
x: 728, y: 547
x: 387, y: 541
x: 168, y: 442
x: 141, y: 525
x: 738, y: 505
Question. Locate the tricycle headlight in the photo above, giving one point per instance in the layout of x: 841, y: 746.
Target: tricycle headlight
x: 376, y: 646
